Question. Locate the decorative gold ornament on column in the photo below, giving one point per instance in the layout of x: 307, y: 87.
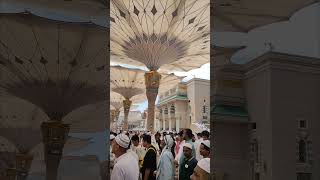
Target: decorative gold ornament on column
x: 152, y: 81
x: 54, y: 134
x: 126, y: 107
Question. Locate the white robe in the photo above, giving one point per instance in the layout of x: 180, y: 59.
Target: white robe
x: 166, y: 168
x: 125, y: 168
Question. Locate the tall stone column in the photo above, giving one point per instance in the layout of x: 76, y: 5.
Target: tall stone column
x: 152, y: 82
x: 160, y: 119
x: 178, y: 120
x: 172, y: 119
x: 169, y: 121
x: 166, y: 118
x: 126, y: 107
x: 54, y: 134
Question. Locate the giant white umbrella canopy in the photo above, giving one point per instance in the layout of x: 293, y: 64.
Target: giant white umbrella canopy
x: 245, y: 15
x: 127, y: 82
x: 168, y: 35
x: 171, y: 35
x: 55, y: 65
x: 18, y: 113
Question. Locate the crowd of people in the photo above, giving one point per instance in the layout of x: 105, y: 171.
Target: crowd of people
x: 164, y: 155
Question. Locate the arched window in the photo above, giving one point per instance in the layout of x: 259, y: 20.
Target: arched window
x: 302, y: 151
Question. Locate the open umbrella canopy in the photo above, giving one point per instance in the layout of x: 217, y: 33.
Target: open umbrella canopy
x: 88, y: 119
x: 129, y: 82
x: 116, y: 100
x: 245, y: 15
x: 55, y: 65
x: 24, y: 139
x: 222, y: 55
x: 19, y: 114
x: 72, y: 11
x: 173, y: 34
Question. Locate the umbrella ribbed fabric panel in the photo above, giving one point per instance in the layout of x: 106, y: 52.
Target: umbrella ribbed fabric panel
x: 245, y: 15
x: 18, y: 113
x: 52, y: 64
x: 168, y: 35
x: 56, y: 66
x: 23, y: 138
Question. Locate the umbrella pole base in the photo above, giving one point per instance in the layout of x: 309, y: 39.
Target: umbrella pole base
x: 54, y: 134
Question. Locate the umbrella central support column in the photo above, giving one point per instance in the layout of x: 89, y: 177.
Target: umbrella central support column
x: 23, y: 164
x: 54, y: 134
x: 152, y: 81
x: 126, y: 106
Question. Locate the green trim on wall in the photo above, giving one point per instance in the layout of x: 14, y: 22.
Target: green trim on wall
x: 229, y: 110
x: 175, y: 97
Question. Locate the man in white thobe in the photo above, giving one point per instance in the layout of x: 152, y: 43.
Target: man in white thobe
x: 126, y: 166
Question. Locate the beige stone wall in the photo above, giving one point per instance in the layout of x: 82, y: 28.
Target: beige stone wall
x: 198, y: 90
x: 280, y: 91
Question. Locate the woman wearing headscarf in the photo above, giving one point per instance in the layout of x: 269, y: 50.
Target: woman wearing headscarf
x: 166, y: 168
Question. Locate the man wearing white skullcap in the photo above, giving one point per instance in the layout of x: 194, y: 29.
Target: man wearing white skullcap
x: 202, y: 170
x: 205, y: 149
x: 188, y: 164
x: 126, y: 166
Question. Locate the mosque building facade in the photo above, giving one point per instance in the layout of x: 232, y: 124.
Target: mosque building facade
x: 184, y: 106
x: 264, y: 118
